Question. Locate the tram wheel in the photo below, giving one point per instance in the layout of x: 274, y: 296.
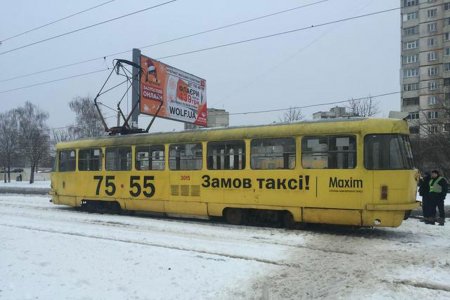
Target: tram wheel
x: 234, y: 216
x: 287, y: 220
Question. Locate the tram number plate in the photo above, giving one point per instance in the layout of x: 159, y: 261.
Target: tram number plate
x: 138, y: 186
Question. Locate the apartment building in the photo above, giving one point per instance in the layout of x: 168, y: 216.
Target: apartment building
x: 425, y: 65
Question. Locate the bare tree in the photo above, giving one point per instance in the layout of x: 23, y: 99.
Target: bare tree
x: 87, y: 121
x: 9, y: 141
x: 432, y: 152
x: 34, y: 137
x: 431, y: 147
x: 291, y: 115
x: 366, y: 107
x: 63, y: 135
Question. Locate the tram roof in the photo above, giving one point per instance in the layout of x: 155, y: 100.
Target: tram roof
x: 328, y: 126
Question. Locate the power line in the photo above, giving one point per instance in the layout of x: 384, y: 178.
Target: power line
x: 167, y: 41
x: 47, y: 70
x: 281, y: 33
x: 56, y: 21
x: 312, y: 105
x: 229, y: 44
x: 51, y: 81
x: 320, y: 104
x: 292, y: 107
x: 87, y: 27
x: 233, y: 24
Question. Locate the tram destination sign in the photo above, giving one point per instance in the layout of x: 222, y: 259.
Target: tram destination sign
x: 182, y: 96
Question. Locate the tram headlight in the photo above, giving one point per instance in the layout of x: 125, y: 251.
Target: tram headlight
x: 376, y: 222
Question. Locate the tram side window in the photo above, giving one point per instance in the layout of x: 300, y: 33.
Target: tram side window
x: 149, y: 157
x: 118, y: 159
x: 90, y: 159
x: 67, y: 160
x: 387, y: 152
x: 228, y: 155
x: 277, y: 153
x: 185, y: 157
x: 329, y: 152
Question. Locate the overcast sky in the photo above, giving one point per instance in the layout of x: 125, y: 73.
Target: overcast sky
x: 352, y: 59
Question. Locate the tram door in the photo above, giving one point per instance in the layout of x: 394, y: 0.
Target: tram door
x: 185, y: 165
x: 388, y: 157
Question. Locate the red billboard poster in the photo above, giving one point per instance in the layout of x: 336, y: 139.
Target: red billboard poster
x: 182, y: 95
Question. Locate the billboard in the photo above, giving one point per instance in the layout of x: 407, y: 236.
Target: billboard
x: 182, y: 95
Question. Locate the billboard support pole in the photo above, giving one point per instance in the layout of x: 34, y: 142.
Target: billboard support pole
x: 135, y: 94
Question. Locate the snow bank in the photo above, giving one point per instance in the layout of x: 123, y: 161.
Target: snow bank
x: 23, y: 187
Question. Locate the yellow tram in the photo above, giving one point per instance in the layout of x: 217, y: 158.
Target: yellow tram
x: 351, y: 172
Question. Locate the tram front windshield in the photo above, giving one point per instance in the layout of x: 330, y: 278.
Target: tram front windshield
x: 387, y: 152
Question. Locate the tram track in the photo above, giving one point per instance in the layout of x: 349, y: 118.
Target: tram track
x: 148, y: 233
x: 258, y: 240
x: 322, y: 259
x: 64, y: 214
x: 150, y: 244
x: 72, y: 215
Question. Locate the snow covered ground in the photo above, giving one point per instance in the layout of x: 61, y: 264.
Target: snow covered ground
x: 55, y: 252
x: 24, y: 187
x: 45, y: 184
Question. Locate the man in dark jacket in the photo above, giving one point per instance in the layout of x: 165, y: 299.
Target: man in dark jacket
x: 438, y: 192
x: 424, y: 191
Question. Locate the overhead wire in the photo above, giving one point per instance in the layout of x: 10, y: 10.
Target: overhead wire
x: 263, y: 74
x: 249, y: 40
x: 195, y: 34
x: 55, y: 21
x: 86, y: 27
x: 228, y: 44
x: 54, y: 80
x: 313, y: 105
x: 289, y: 108
x: 165, y: 42
x: 233, y: 24
x: 320, y: 104
x: 280, y: 33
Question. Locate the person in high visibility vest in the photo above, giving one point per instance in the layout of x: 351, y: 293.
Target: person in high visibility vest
x: 438, y: 192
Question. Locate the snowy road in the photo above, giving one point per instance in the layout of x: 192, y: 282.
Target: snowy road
x: 53, y: 252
